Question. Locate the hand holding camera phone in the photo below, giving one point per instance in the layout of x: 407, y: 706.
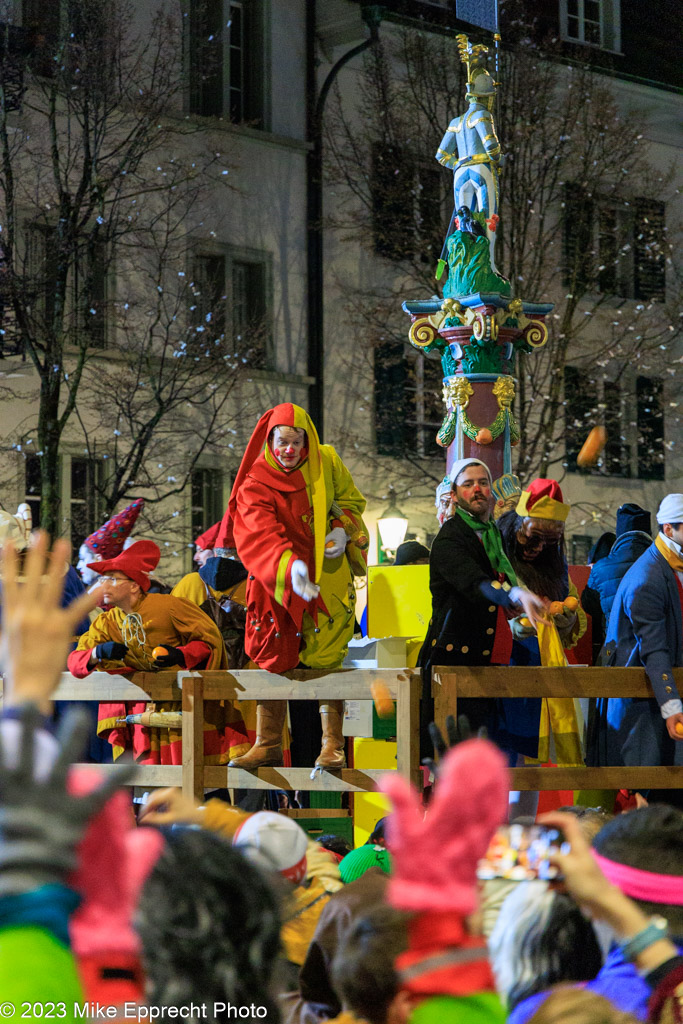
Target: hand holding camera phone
x: 520, y: 853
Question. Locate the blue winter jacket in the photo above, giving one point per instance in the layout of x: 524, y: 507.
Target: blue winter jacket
x: 607, y: 574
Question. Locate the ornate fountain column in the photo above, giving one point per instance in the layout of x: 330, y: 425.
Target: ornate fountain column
x: 477, y: 338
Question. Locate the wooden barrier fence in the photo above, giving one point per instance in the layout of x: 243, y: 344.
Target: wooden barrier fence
x: 450, y: 683
x: 194, y: 688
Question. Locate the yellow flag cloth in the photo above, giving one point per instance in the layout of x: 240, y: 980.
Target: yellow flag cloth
x: 557, y: 713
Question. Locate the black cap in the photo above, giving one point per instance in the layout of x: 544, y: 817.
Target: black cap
x: 410, y: 551
x: 633, y: 517
x: 601, y: 548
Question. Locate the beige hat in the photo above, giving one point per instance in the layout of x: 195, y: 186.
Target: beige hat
x: 17, y: 527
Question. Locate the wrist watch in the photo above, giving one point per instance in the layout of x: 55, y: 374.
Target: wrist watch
x: 657, y: 928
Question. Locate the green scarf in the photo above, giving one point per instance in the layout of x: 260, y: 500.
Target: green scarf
x: 493, y: 545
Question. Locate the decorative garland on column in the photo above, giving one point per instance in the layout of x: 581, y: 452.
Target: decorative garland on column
x: 457, y: 395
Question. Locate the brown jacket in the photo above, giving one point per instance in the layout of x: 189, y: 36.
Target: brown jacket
x: 316, y: 1000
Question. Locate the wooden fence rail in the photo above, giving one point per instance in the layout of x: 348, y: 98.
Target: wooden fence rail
x: 194, y: 688
x: 450, y: 683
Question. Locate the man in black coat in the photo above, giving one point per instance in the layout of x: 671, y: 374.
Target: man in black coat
x: 473, y: 586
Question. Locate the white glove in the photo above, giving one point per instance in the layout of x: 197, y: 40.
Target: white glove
x: 301, y: 584
x: 534, y: 609
x: 338, y: 539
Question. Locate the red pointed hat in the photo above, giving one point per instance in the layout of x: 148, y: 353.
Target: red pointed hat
x: 543, y: 500
x: 207, y: 541
x: 137, y: 562
x: 108, y: 540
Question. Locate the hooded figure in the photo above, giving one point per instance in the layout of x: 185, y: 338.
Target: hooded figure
x: 292, y: 516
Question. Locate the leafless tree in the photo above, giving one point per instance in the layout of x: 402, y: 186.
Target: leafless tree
x: 100, y: 173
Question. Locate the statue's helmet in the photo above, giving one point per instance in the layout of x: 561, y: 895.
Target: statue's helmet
x: 481, y: 87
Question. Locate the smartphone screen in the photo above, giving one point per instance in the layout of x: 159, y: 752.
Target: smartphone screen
x: 520, y: 853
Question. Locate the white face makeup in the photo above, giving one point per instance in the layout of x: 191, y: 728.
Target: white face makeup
x: 287, y: 445
x: 85, y: 555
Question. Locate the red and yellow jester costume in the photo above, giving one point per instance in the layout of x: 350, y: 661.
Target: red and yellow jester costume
x: 277, y: 516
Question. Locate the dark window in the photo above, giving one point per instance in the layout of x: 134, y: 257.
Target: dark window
x: 225, y: 52
x: 33, y: 487
x: 206, y: 57
x: 578, y: 253
x: 90, y: 292
x: 392, y: 430
x: 41, y: 273
x: 207, y: 499
x: 429, y: 209
x: 408, y: 403
x: 249, y: 321
x: 208, y: 308
x: 650, y: 406
x: 229, y: 305
x: 580, y: 546
x: 424, y: 404
x: 391, y: 187
x: 71, y: 36
x: 649, y: 250
x: 580, y: 411
x: 87, y: 507
x: 616, y: 458
x: 614, y: 248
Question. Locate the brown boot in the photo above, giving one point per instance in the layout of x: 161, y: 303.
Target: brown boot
x: 267, y: 749
x: 333, y: 753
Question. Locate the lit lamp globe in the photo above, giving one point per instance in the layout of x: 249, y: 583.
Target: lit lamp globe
x: 392, y: 526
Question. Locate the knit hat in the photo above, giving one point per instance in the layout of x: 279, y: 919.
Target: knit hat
x: 632, y: 517
x: 137, y: 562
x: 409, y: 552
x: 601, y: 548
x: 273, y: 842
x: 671, y: 509
x: 458, y: 466
x: 443, y: 488
x: 17, y: 527
x: 361, y: 860
x: 543, y: 500
x: 108, y: 540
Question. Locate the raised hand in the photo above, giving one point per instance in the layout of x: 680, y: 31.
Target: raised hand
x: 36, y: 630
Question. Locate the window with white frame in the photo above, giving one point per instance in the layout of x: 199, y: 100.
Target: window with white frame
x: 225, y: 55
x: 408, y: 403
x: 230, y: 302
x: 591, y: 23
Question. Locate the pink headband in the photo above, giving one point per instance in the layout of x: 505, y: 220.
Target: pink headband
x: 642, y: 885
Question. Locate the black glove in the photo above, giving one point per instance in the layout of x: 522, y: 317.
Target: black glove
x: 174, y: 656
x: 456, y: 734
x: 41, y: 824
x: 222, y: 573
x: 111, y: 651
